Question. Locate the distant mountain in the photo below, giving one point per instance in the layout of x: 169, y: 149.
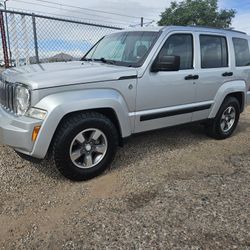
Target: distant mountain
x: 61, y: 57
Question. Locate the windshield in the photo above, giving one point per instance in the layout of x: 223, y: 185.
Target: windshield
x: 124, y: 48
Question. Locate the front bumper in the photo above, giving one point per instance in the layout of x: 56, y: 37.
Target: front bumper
x: 16, y: 132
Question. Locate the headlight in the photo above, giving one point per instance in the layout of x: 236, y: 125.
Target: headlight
x: 22, y: 99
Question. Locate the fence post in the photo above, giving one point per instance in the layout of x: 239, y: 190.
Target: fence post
x: 35, y: 38
x: 142, y: 21
x: 26, y: 39
x: 15, y: 38
x: 4, y: 43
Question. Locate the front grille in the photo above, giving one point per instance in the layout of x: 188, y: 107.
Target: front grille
x: 7, y: 95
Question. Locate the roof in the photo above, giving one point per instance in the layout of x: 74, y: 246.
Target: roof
x: 185, y: 28
x: 149, y: 28
x: 201, y: 28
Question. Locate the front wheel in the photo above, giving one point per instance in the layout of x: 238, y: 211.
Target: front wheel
x: 84, y: 146
x: 226, y: 120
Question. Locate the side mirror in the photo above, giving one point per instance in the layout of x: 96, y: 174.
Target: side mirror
x: 166, y: 63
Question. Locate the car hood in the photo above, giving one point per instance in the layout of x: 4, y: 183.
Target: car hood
x: 47, y: 75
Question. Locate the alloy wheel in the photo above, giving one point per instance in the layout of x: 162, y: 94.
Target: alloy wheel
x: 88, y: 148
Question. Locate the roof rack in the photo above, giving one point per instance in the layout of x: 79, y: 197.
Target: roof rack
x: 207, y: 27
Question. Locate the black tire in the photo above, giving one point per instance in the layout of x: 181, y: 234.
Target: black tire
x: 28, y: 158
x: 66, y: 133
x: 214, y: 129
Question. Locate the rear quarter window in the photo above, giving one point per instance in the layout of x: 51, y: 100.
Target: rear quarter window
x: 241, y: 51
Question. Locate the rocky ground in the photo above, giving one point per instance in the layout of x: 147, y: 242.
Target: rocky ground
x: 168, y: 189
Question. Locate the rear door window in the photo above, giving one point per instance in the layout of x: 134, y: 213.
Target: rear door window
x: 241, y: 51
x: 214, y: 52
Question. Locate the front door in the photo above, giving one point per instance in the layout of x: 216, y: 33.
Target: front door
x: 166, y: 98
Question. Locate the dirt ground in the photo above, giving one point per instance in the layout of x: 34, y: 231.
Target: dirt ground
x: 169, y: 189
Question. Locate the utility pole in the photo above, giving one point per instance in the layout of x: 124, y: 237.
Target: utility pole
x: 142, y: 21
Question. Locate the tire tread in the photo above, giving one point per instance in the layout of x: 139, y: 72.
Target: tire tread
x: 68, y: 125
x: 212, y: 127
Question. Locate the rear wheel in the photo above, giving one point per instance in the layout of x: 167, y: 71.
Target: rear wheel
x: 226, y: 120
x: 84, y: 146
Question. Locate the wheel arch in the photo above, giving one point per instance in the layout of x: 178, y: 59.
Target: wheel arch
x: 240, y: 96
x: 107, y: 102
x: 235, y: 89
x: 108, y: 112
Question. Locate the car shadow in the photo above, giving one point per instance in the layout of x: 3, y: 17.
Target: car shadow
x: 144, y: 144
x: 48, y: 168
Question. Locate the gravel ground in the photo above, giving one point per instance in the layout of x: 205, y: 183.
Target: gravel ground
x: 168, y: 189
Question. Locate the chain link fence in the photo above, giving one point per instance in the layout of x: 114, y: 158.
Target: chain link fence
x: 31, y: 38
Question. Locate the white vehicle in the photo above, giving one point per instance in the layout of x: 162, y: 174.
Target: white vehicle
x: 129, y: 82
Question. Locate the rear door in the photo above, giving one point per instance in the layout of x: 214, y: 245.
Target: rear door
x: 214, y: 69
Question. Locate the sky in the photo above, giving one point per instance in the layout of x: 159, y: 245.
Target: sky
x: 147, y: 8
x: 69, y: 39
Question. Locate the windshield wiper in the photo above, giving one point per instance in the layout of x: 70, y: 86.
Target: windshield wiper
x: 103, y: 60
x: 87, y: 60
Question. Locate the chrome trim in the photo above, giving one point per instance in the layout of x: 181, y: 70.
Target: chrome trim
x: 7, y: 95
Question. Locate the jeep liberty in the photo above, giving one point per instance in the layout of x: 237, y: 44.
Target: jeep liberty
x: 131, y: 81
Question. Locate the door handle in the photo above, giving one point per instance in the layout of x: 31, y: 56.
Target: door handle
x: 192, y: 77
x: 227, y: 74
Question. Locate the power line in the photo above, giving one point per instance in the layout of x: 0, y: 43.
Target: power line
x: 96, y: 20
x: 65, y: 16
x: 58, y: 8
x: 88, y: 9
x: 117, y: 21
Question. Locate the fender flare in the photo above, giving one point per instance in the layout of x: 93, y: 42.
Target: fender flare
x: 226, y: 89
x: 60, y: 104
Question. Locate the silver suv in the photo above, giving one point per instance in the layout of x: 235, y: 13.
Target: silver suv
x: 129, y: 82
